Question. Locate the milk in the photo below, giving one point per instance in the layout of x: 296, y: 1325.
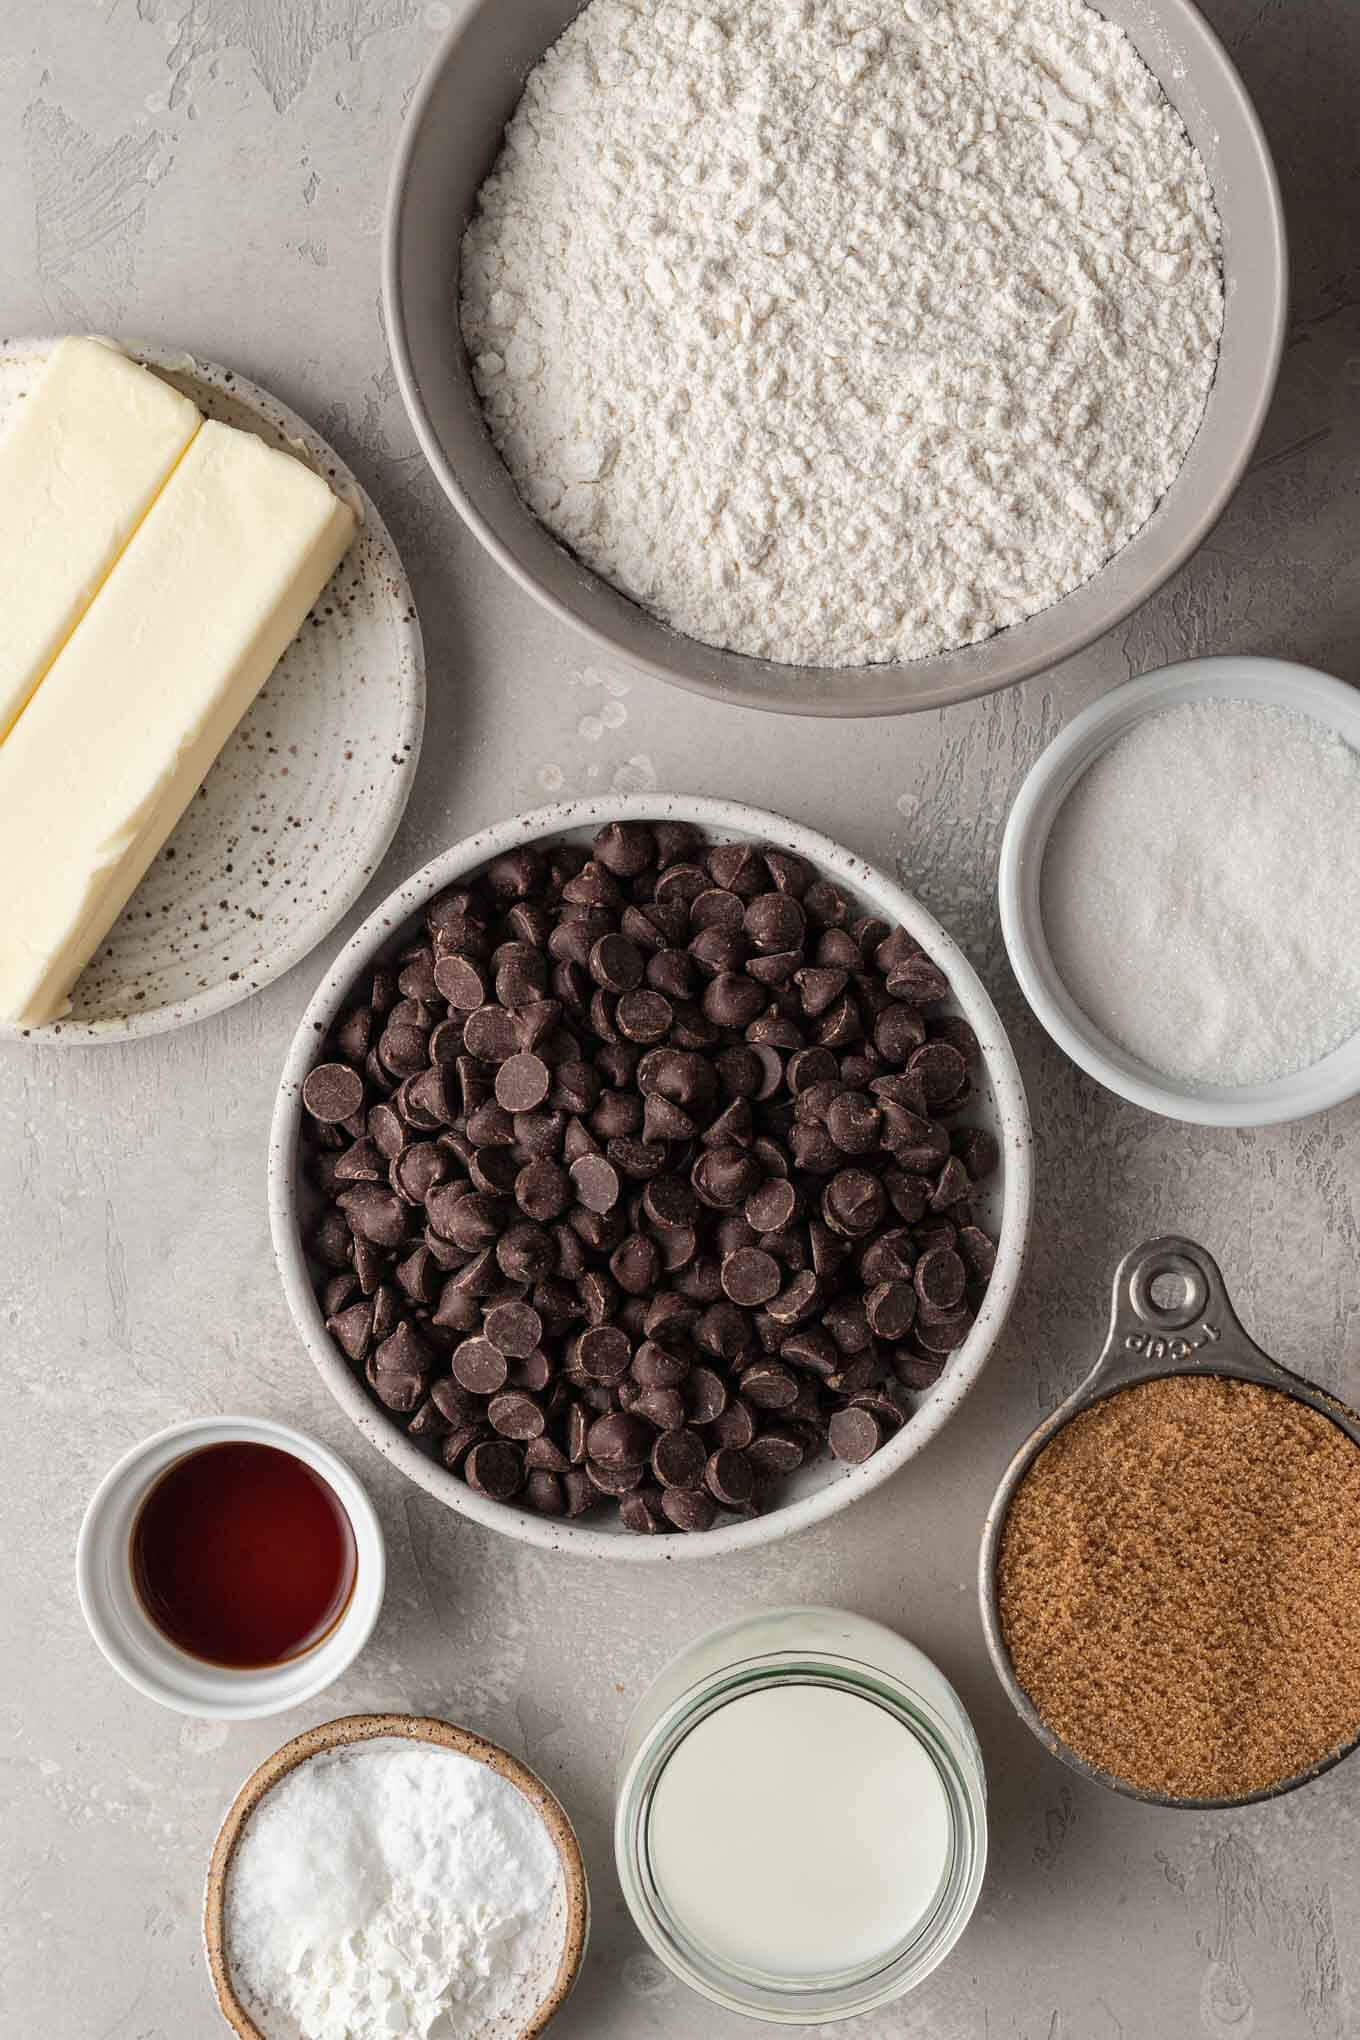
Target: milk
x: 800, y: 1831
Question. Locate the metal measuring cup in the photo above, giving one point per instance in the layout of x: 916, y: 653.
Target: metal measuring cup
x: 1170, y: 1315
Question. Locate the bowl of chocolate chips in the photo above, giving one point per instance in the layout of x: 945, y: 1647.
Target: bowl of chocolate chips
x: 650, y: 1177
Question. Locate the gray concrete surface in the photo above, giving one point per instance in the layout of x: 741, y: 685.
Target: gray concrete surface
x: 210, y: 173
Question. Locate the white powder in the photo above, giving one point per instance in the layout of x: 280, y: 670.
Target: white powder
x: 1201, y: 892
x: 393, y: 1891
x: 839, y: 331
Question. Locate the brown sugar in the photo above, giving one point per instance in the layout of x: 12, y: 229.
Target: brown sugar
x: 1179, y: 1586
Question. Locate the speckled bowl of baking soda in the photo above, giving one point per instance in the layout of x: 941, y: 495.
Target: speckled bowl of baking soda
x: 351, y: 1733
x: 452, y: 134
x: 1171, y: 1321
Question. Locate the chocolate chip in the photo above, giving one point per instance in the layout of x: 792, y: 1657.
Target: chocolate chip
x: 940, y: 1278
x: 332, y: 1092
x: 542, y: 1455
x: 642, y: 1513
x: 853, y: 1202
x: 625, y: 848
x: 678, y: 1459
x: 514, y: 1329
x: 736, y: 1426
x: 495, y: 1469
x: 663, y: 1407
x: 943, y: 1333
x: 479, y: 1367
x: 798, y: 1296
x: 604, y: 1353
x: 773, y: 1206
x: 596, y: 1182
x: 853, y: 1121
x: 724, y: 1177
x: 854, y: 1435
x: 522, y: 1082
x: 491, y: 1034
x: 775, y: 921
x: 375, y: 1213
x: 812, y: 1350
x: 460, y: 981
x: 644, y: 1016
x: 543, y: 1494
x: 951, y: 1187
x: 978, y: 1252
x: 917, y: 981
x: 750, y: 1277
x: 352, y: 1330
x: 456, y: 1445
x: 898, y: 1031
x: 616, y: 964
x: 543, y: 1191
x: 689, y: 1508
x: 515, y: 1415
x: 941, y: 1069
x: 729, y: 1478
x: 769, y: 1388
x: 775, y: 1453
x: 705, y: 1394
x: 891, y: 1309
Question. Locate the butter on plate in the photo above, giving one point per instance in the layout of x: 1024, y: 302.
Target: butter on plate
x: 79, y: 469
x: 122, y: 730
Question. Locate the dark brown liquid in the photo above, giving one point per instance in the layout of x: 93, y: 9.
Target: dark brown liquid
x: 243, y: 1556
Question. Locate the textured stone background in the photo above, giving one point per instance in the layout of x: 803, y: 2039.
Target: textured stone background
x: 210, y: 173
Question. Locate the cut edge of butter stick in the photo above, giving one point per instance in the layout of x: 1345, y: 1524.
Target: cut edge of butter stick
x: 97, y: 771
x: 84, y: 459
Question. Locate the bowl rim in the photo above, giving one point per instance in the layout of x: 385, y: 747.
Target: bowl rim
x: 716, y: 816
x: 347, y: 1732
x: 875, y: 695
x: 216, y: 1692
x: 276, y: 419
x: 1224, y: 677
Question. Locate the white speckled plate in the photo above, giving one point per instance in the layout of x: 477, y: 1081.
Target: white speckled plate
x: 294, y: 818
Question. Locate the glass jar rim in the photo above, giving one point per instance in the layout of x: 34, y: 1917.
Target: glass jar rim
x: 855, y: 1990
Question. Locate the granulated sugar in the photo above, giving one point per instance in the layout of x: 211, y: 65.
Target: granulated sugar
x: 394, y: 1891
x: 842, y: 331
x: 1201, y: 892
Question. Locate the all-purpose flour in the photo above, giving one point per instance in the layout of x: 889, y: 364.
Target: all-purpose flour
x: 393, y: 1891
x: 843, y: 330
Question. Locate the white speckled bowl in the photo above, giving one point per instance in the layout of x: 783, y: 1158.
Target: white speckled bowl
x: 297, y: 813
x: 816, y: 1491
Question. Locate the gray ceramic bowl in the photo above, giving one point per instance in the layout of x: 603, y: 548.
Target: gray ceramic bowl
x: 451, y: 138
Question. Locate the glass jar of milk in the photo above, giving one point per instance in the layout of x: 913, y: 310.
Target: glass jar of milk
x: 801, y: 1828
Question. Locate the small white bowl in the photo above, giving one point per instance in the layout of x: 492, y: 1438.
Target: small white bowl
x: 815, y: 1491
x: 1273, y: 681
x: 145, y: 1657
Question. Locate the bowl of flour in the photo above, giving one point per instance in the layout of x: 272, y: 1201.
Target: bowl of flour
x: 836, y: 356
x: 387, y: 1874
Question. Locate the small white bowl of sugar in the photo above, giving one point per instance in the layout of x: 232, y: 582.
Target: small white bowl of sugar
x: 1180, y: 891
x: 389, y: 1875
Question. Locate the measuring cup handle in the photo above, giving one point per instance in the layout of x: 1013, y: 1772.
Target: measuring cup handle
x: 1171, y: 1312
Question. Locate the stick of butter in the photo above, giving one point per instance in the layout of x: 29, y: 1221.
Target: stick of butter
x: 79, y: 469
x: 208, y: 595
